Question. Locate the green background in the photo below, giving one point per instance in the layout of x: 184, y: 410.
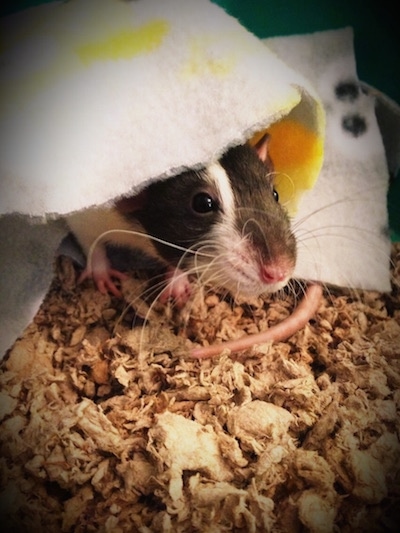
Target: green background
x: 376, y: 42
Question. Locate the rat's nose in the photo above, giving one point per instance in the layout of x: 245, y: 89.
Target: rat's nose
x: 275, y: 272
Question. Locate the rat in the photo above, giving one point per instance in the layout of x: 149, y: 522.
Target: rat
x: 222, y: 222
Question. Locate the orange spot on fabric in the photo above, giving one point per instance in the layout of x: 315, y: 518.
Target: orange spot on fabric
x: 296, y: 152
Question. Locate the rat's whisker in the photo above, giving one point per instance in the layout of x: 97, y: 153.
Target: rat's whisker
x: 375, y: 244
x: 317, y: 231
x: 149, y: 293
x: 331, y: 205
x: 110, y: 232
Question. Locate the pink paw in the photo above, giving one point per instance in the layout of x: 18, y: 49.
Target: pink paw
x: 178, y: 287
x: 102, y: 274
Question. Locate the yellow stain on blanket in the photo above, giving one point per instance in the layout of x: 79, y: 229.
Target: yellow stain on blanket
x: 64, y: 59
x: 125, y: 44
x: 297, y: 154
x: 202, y: 63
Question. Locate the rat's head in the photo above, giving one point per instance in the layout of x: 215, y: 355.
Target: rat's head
x: 229, y: 219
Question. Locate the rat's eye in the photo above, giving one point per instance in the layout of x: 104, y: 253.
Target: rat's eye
x: 204, y: 203
x: 276, y: 195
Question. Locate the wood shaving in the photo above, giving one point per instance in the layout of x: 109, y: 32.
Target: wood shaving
x: 108, y: 424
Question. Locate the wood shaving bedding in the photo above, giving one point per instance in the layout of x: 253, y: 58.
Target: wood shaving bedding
x: 108, y: 426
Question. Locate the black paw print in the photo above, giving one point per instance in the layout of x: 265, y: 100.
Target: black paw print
x: 347, y: 91
x: 352, y: 123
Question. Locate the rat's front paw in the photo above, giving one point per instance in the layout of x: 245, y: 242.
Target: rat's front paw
x: 104, y: 280
x: 105, y: 283
x: 99, y: 269
x: 178, y: 287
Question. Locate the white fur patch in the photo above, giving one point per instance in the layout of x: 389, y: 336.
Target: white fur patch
x: 218, y: 177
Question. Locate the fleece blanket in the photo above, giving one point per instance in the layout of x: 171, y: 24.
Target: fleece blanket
x: 99, y: 97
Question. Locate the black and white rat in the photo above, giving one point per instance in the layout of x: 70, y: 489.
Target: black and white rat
x: 223, y: 223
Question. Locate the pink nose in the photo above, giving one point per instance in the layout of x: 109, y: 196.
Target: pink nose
x: 272, y: 273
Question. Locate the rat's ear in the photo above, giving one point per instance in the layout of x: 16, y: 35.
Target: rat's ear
x: 262, y: 148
